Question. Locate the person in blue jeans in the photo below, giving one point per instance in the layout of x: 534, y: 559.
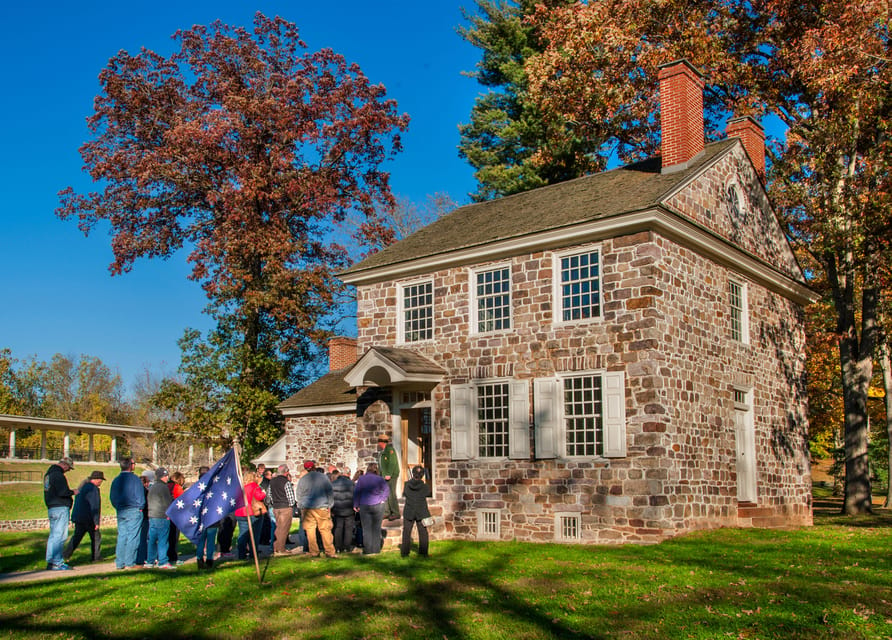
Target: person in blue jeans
x: 128, y: 498
x: 207, y: 539
x: 159, y: 526
x: 57, y: 496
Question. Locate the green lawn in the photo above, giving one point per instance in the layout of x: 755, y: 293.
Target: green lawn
x: 833, y: 580
x: 830, y: 581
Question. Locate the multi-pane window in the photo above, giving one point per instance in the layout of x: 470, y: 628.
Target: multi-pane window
x: 418, y: 312
x: 580, y: 290
x: 737, y: 305
x: 492, y: 420
x: 493, y: 298
x: 583, y: 415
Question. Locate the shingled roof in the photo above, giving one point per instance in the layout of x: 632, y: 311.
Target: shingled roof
x: 330, y: 389
x: 631, y: 188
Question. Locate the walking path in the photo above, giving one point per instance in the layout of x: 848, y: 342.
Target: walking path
x: 92, y: 568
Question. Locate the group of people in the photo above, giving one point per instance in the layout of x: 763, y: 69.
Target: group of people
x: 336, y: 513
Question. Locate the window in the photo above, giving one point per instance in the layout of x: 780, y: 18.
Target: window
x: 734, y: 200
x: 580, y: 286
x: 583, y: 417
x: 492, y: 299
x: 418, y: 312
x: 737, y: 301
x: 489, y: 524
x: 566, y: 527
x: 490, y: 419
x: 580, y: 415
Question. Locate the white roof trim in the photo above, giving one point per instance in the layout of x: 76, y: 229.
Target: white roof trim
x: 656, y: 219
x: 358, y: 376
x: 316, y: 410
x: 53, y: 424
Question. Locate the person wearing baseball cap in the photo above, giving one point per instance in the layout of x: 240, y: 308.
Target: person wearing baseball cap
x: 57, y: 496
x: 86, y: 516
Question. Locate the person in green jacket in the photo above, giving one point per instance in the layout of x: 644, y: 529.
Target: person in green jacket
x: 389, y: 466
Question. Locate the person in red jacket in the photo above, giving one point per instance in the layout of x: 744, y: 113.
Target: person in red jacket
x: 253, y: 493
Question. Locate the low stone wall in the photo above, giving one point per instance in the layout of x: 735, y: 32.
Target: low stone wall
x: 44, y: 523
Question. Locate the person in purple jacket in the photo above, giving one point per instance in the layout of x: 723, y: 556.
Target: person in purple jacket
x: 370, y: 500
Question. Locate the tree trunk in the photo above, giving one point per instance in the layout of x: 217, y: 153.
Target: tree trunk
x: 886, y: 366
x: 856, y: 364
x: 856, y: 361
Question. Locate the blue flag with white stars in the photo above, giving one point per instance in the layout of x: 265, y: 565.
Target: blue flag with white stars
x: 216, y: 494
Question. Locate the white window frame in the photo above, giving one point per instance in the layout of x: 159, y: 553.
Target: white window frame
x: 401, y: 320
x: 561, y: 519
x: 550, y: 419
x: 474, y: 321
x: 489, y: 524
x: 557, y: 285
x: 743, y: 320
x: 464, y: 419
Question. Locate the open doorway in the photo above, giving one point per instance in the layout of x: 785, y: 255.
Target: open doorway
x: 416, y: 441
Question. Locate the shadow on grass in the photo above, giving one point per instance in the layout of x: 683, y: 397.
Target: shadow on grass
x: 805, y: 583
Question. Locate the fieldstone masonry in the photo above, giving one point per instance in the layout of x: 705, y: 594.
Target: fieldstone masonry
x: 666, y: 325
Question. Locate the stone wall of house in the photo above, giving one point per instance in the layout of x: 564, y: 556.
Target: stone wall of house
x: 664, y: 324
x: 704, y: 366
x: 327, y: 439
x: 751, y: 224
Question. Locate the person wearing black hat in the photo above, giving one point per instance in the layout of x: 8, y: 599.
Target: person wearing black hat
x: 86, y: 516
x: 57, y: 496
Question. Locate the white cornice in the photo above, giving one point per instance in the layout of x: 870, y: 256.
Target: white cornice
x: 358, y: 376
x: 318, y: 409
x: 656, y: 219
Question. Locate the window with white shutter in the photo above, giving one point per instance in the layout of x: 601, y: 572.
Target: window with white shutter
x: 491, y: 419
x: 580, y: 415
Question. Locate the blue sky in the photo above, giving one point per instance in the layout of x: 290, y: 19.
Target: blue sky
x: 57, y: 295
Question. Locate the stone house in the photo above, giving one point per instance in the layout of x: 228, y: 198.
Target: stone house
x: 616, y: 358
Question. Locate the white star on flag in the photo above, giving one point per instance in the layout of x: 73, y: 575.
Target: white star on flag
x: 198, y: 509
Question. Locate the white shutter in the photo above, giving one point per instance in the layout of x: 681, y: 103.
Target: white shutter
x: 614, y: 407
x: 547, y: 399
x: 461, y: 411
x: 519, y: 420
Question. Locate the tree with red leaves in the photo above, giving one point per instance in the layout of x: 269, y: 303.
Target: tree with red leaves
x: 246, y: 150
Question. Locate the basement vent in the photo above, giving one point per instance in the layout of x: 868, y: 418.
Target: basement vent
x: 566, y: 527
x: 488, y: 524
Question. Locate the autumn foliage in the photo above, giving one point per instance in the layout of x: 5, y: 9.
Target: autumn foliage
x: 245, y: 150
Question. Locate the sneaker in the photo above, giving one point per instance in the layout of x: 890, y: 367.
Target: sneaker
x: 49, y: 566
x: 280, y: 554
x: 166, y: 566
x: 62, y: 567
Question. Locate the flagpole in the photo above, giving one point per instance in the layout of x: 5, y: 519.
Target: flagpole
x: 248, y: 514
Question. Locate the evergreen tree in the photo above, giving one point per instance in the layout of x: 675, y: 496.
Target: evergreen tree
x: 507, y: 137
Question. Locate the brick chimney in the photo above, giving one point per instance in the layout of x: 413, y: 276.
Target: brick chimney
x: 341, y: 352
x: 752, y: 135
x: 681, y: 114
